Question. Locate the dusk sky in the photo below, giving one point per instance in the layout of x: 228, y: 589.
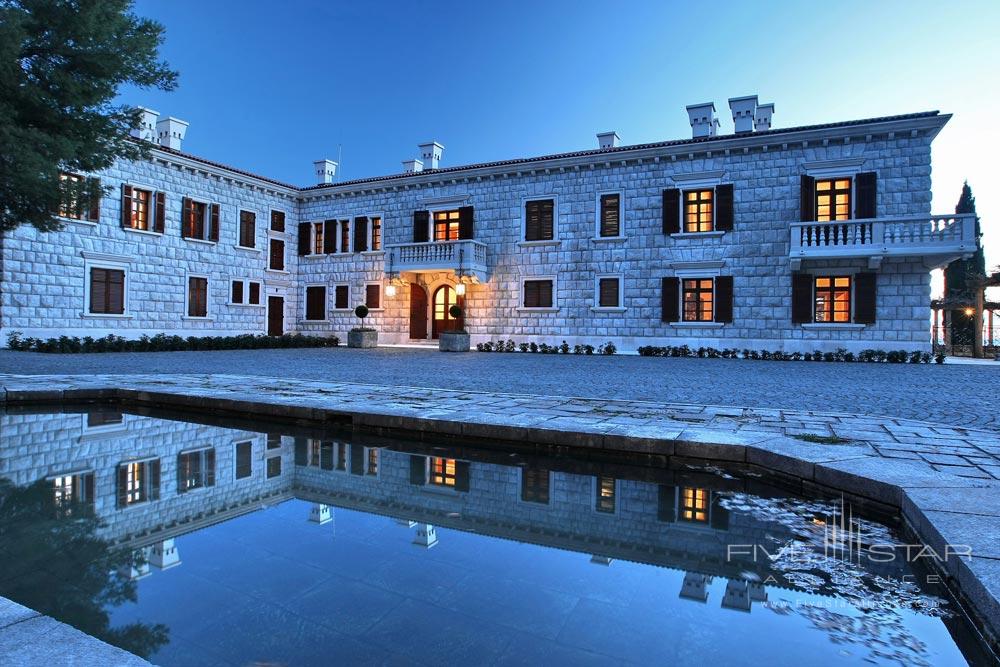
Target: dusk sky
x: 271, y: 87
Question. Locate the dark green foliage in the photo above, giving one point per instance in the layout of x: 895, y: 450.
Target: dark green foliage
x: 842, y: 355
x: 455, y: 312
x: 361, y: 312
x: 961, y: 275
x: 62, y: 63
x: 165, y: 343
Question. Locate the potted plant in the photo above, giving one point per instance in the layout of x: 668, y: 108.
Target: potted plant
x: 454, y: 341
x: 362, y: 336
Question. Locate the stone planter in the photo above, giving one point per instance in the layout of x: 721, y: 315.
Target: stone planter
x: 362, y: 338
x: 453, y: 341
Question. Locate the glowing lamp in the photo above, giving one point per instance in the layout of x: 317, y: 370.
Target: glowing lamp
x: 390, y: 290
x: 460, y: 289
x: 969, y: 311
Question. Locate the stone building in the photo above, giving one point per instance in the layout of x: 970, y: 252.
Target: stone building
x: 802, y: 238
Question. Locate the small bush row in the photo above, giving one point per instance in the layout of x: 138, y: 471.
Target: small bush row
x: 545, y: 348
x: 165, y: 343
x: 866, y: 356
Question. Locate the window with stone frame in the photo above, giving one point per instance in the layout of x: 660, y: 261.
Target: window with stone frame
x: 248, y: 229
x: 142, y: 208
x: 535, y: 485
x: 277, y: 221
x: 72, y: 492
x: 537, y: 294
x: 372, y: 461
x: 694, y: 505
x: 316, y: 302
x: 107, y: 291
x: 698, y: 297
x: 138, y: 482
x: 610, y: 220
x: 376, y: 225
x: 244, y: 459
x: 194, y: 218
x: 373, y: 296
x: 276, y: 255
x: 341, y: 297
x: 609, y: 292
x: 245, y: 292
x: 832, y: 299
x: 539, y: 220
x: 606, y: 491
x: 833, y: 199
x: 195, y: 469
x: 699, y: 210
x: 446, y: 225
x: 197, y: 299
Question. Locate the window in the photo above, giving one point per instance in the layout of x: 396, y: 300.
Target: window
x: 610, y: 216
x: 197, y: 305
x: 833, y: 199
x: 537, y: 294
x: 142, y: 206
x: 371, y: 461
x: 376, y: 243
x: 248, y: 229
x: 316, y: 302
x: 694, y: 505
x: 276, y: 255
x: 138, y: 482
x: 373, y: 296
x: 72, y: 208
x: 107, y: 291
x: 236, y: 295
x: 609, y: 292
x: 833, y: 299
x: 446, y: 225
x: 194, y: 218
x: 195, y: 470
x: 539, y: 220
x: 253, y: 294
x: 245, y: 292
x: 104, y: 418
x: 69, y: 492
x: 274, y: 441
x: 273, y: 468
x: 443, y: 472
x: 698, y: 297
x: 244, y: 459
x: 698, y: 211
x: 341, y: 297
x: 606, y: 494
x: 535, y: 485
x: 317, y: 245
x: 277, y: 221
x: 345, y: 236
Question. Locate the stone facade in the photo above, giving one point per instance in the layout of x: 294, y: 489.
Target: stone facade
x: 43, y: 274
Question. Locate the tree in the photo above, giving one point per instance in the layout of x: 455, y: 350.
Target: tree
x: 61, y: 65
x: 962, y: 277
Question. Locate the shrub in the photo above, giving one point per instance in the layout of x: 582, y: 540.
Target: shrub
x: 534, y: 347
x: 588, y: 349
x: 564, y: 348
x: 163, y: 343
x: 509, y: 347
x: 607, y: 348
x: 524, y: 347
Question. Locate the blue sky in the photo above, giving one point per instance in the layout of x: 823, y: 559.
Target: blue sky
x: 270, y: 87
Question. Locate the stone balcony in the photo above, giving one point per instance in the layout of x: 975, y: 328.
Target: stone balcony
x: 465, y: 257
x: 938, y: 239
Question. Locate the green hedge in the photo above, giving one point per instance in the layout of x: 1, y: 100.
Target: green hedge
x: 164, y: 343
x: 545, y: 348
x: 867, y: 356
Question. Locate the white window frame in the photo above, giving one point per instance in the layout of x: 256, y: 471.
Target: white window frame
x: 546, y: 309
x: 281, y: 238
x: 698, y: 181
x: 621, y: 216
x: 333, y: 293
x: 697, y: 274
x: 148, y: 486
x: 370, y: 235
x: 555, y: 240
x: 195, y: 450
x: 207, y: 317
x: 207, y: 222
x: 256, y: 228
x: 87, y: 431
x: 450, y: 206
x: 597, y: 307
x: 381, y: 462
x: 271, y: 231
x: 152, y: 209
x: 381, y: 295
x: 312, y: 239
x: 113, y: 264
x: 246, y: 293
x: 326, y: 303
x: 595, y: 494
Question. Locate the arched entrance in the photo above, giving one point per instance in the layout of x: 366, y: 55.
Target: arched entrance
x: 444, y: 299
x: 418, y: 312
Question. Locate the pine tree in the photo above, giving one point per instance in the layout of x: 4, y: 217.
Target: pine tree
x: 61, y: 65
x: 959, y: 275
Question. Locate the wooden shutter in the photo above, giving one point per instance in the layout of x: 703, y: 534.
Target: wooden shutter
x: 330, y: 237
x: 666, y: 509
x: 237, y: 292
x: 421, y: 226
x: 610, y: 224
x: 802, y: 298
x: 719, y: 518
x: 865, y: 193
x: 98, y: 290
x: 122, y: 483
x: 357, y: 460
x: 277, y: 259
x: 210, y: 467
x: 94, y: 212
x: 126, y: 205
x: 213, y: 233
x: 607, y: 296
x: 461, y: 475
x: 340, y: 297
x: 807, y: 199
x: 315, y: 306
x: 160, y: 212
x: 466, y: 225
x: 864, y: 298
x: 532, y: 221
x: 183, y: 465
x: 724, y: 207
x: 186, y: 213
x: 361, y: 233
x: 115, y: 292
x: 277, y: 221
x: 670, y: 299
x: 303, y: 238
x: 154, y: 479
x: 372, y: 294
x: 254, y: 296
x: 671, y: 213
x: 724, y: 299
x: 418, y: 469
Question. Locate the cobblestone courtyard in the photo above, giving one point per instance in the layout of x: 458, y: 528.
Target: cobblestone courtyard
x: 961, y: 395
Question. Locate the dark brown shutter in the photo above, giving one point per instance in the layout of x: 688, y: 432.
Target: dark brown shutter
x: 361, y: 233
x: 330, y: 237
x: 98, y: 290
x: 670, y: 299
x: 213, y: 233
x: 461, y: 475
x: 724, y: 299
x: 466, y: 225
x: 254, y: 296
x: 277, y: 259
x: 154, y: 479
x: 357, y: 459
x: 865, y: 192
x: 610, y: 225
x: 807, y: 199
x: 418, y: 469
x: 724, y: 207
x: 315, y: 306
x: 94, y: 214
x: 126, y: 205
x: 864, y: 298
x: 277, y: 221
x: 372, y: 294
x: 183, y: 470
x: 186, y: 213
x: 160, y: 214
x: 122, y: 483
x: 532, y: 221
x: 608, y: 293
x: 116, y: 292
x: 671, y: 213
x: 802, y: 298
x: 210, y: 467
x: 666, y: 509
x: 303, y: 238
x: 340, y: 296
x: 421, y: 226
x: 237, y: 292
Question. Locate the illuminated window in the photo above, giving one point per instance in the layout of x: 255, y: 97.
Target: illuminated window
x: 606, y: 494
x: 345, y: 236
x: 376, y: 233
x: 72, y: 208
x: 446, y: 225
x: 698, y: 211
x: 317, y: 248
x: 833, y: 199
x: 70, y: 492
x: 443, y: 472
x: 535, y: 485
x: 195, y: 470
x: 194, y: 216
x: 698, y: 299
x: 694, y: 505
x: 138, y: 482
x: 371, y: 462
x: 833, y: 298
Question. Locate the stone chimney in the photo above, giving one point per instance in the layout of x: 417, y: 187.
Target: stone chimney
x: 170, y: 132
x: 744, y: 111
x: 430, y: 153
x: 703, y: 122
x: 762, y: 117
x: 147, y: 125
x: 326, y: 171
x: 608, y: 140
x: 412, y: 166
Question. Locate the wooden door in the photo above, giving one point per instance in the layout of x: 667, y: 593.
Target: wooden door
x: 444, y: 299
x: 418, y: 312
x: 275, y: 315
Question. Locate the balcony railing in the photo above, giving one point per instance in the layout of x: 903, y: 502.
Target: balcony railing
x: 467, y: 257
x: 939, y: 238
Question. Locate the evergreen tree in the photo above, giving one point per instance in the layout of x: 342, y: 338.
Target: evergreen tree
x: 959, y: 274
x: 61, y: 65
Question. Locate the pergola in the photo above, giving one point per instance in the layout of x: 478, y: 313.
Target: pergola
x: 975, y: 308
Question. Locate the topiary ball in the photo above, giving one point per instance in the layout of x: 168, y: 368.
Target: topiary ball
x: 361, y: 311
x: 455, y: 312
